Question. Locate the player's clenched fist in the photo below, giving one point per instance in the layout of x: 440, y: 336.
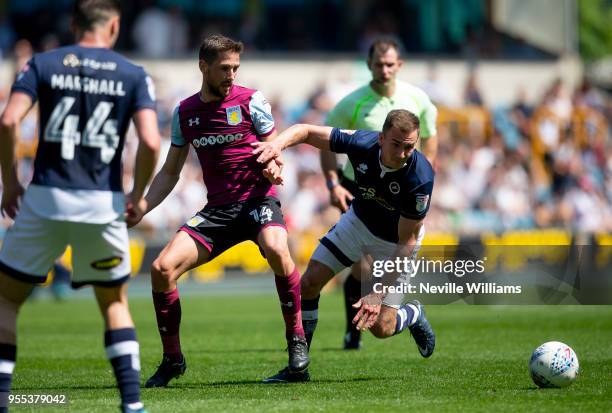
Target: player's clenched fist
x: 134, y: 211
x: 11, y: 198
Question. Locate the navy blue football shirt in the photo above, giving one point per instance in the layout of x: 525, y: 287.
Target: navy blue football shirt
x: 86, y: 97
x: 384, y: 195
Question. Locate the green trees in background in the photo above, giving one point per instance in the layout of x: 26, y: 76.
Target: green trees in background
x: 595, y: 31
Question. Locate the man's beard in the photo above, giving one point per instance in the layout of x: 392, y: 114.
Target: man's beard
x: 216, y: 90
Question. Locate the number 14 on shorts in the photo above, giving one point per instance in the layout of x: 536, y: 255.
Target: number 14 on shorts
x: 263, y: 215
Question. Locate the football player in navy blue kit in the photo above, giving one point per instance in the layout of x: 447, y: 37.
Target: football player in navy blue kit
x: 87, y: 95
x: 385, y: 220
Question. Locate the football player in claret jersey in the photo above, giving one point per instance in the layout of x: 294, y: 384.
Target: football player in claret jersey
x: 87, y: 95
x: 367, y: 108
x: 385, y: 220
x: 220, y: 122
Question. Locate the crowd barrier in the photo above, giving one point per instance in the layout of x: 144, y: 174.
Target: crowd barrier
x: 510, y: 250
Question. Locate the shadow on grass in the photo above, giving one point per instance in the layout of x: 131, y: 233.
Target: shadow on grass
x: 536, y: 388
x: 335, y: 350
x: 245, y: 350
x: 65, y: 387
x: 221, y: 383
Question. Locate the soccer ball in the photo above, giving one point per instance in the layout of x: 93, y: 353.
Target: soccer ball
x: 553, y: 364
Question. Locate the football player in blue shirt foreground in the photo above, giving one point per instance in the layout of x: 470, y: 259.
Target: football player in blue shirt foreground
x: 87, y: 95
x: 385, y: 220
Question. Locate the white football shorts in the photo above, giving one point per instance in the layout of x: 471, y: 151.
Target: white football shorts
x: 350, y: 240
x: 100, y: 252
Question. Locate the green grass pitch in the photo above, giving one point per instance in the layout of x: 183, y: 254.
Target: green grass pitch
x: 231, y: 343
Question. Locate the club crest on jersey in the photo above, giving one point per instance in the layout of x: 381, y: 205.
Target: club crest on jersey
x: 421, y: 202
x: 194, y: 121
x: 394, y: 187
x: 363, y: 168
x: 234, y: 115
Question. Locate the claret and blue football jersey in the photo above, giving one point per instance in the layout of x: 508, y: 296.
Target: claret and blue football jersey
x: 221, y: 132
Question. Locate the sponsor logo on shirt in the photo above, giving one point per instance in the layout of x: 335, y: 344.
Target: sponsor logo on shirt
x: 194, y: 121
x: 363, y: 168
x: 216, y: 139
x: 71, y: 60
x: 369, y: 194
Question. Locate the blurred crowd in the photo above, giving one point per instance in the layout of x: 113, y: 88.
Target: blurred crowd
x: 525, y: 166
x: 171, y: 28
x: 522, y: 166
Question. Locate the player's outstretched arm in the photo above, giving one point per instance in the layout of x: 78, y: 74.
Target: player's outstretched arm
x: 369, y: 306
x: 16, y: 109
x: 163, y: 182
x: 317, y: 136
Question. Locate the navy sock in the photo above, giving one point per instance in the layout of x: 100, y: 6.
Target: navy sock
x: 310, y: 317
x: 352, y: 294
x: 8, y: 355
x: 123, y: 352
x: 406, y: 316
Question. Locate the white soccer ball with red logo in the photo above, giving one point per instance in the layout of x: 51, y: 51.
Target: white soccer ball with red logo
x: 553, y: 364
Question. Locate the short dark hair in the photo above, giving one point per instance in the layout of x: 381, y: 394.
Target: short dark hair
x: 404, y: 120
x: 88, y: 13
x: 381, y: 46
x: 215, y: 44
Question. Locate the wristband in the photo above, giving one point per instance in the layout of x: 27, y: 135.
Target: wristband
x: 331, y: 183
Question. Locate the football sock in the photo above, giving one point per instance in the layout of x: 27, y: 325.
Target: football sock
x: 406, y: 316
x: 288, y: 289
x: 168, y: 312
x: 122, y: 350
x: 310, y: 317
x: 8, y: 355
x: 352, y: 294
